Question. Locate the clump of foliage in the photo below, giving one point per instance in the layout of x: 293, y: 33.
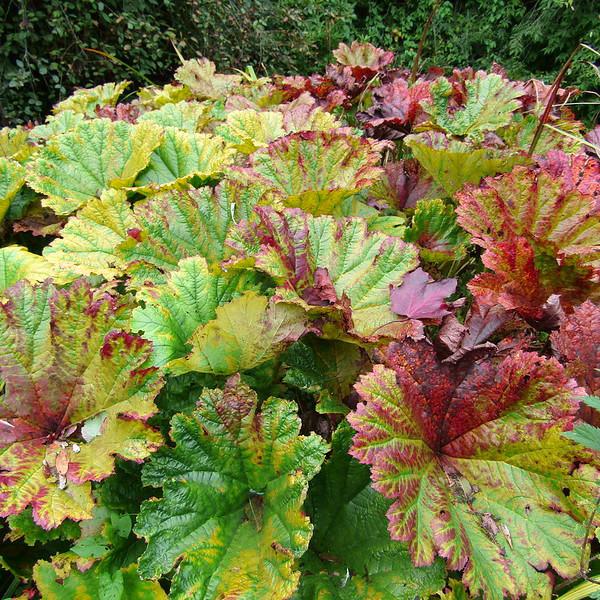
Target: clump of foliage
x: 304, y: 337
x: 49, y: 48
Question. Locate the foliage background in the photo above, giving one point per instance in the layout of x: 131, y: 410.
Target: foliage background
x: 43, y: 56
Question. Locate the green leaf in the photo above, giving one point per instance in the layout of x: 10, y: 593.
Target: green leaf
x: 233, y: 489
x: 176, y: 225
x: 12, y: 178
x: 490, y: 104
x: 452, y: 163
x: 392, y: 225
x: 565, y: 135
x: 106, y: 237
x: 17, y: 263
x: 188, y: 116
x: 85, y: 100
x: 91, y: 547
x: 14, y: 143
x: 585, y: 434
x: 121, y: 524
x: 248, y: 130
x: 23, y: 526
x: 156, y: 97
x: 107, y: 537
x: 123, y: 492
x: 327, y: 368
x: 351, y: 534
x: 97, y: 155
x: 435, y: 231
x: 246, y: 332
x: 88, y: 243
x: 56, y: 124
x: 67, y: 583
x: 182, y: 156
x: 316, y: 170
x: 173, y: 311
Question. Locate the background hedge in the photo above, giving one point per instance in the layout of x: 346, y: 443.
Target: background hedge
x: 43, y: 43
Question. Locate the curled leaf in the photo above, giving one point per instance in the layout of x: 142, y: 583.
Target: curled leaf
x: 481, y: 323
x: 17, y: 264
x: 489, y: 104
x: 453, y: 163
x: 248, y: 130
x: 435, y: 231
x: 363, y: 55
x: 402, y: 185
x: 396, y: 107
x: 328, y: 263
x: 187, y: 116
x: 180, y: 157
x: 86, y: 100
x: 12, y: 178
x: 540, y: 228
x: 200, y: 78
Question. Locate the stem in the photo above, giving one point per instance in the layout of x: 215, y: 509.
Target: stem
x: 14, y: 584
x: 426, y: 28
x: 551, y: 97
x: 582, y: 141
x: 367, y: 88
x: 179, y: 55
x: 583, y: 569
x: 583, y: 590
x: 122, y: 63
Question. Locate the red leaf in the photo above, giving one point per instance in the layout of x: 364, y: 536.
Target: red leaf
x: 64, y: 363
x: 322, y: 293
x: 577, y: 343
x: 402, y: 185
x: 420, y: 297
x: 540, y: 229
x: 481, y: 323
x: 472, y: 457
x: 515, y: 282
x: 396, y: 107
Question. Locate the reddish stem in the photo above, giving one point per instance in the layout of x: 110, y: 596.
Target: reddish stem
x: 551, y: 97
x: 426, y: 28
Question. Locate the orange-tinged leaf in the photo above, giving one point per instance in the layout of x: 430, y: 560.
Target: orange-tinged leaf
x: 65, y: 363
